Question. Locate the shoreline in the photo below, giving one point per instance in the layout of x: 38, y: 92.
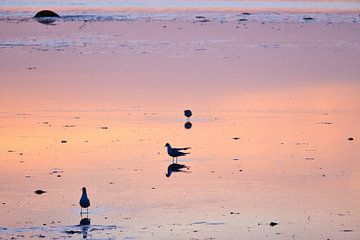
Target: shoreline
x: 179, y: 15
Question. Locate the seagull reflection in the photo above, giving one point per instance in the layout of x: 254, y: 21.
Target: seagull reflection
x: 85, y: 224
x: 175, y: 167
x: 188, y: 125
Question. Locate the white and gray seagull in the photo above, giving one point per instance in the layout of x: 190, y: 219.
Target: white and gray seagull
x: 84, y: 201
x: 176, y: 152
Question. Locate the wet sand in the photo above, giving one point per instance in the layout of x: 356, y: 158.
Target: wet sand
x: 93, y: 103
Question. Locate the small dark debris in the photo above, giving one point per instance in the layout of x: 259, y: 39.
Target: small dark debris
x: 273, y: 224
x: 235, y: 159
x: 72, y: 232
x: 350, y: 139
x: 326, y: 123
x: 58, y: 175
x: 32, y: 68
x: 310, y: 158
x: 242, y: 20
x: 63, y: 141
x: 104, y: 128
x: 347, y: 230
x: 308, y: 18
x: 200, y: 17
x: 204, y: 20
x: 234, y: 213
x: 39, y: 191
x: 246, y: 13
x: 236, y: 138
x: 153, y: 188
x: 3, y: 203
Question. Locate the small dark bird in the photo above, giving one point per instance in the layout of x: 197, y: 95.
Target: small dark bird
x: 176, y: 152
x: 84, y: 200
x: 188, y: 113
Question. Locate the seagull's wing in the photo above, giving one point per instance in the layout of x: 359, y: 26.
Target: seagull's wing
x: 181, y: 149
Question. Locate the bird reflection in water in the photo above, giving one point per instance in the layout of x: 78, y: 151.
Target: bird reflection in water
x: 188, y: 114
x: 85, y: 224
x: 175, y: 167
x: 188, y: 125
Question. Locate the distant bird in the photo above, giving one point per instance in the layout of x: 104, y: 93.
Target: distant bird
x: 174, y: 167
x: 188, y: 113
x: 84, y: 200
x: 176, y: 152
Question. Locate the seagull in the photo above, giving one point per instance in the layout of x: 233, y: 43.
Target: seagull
x: 187, y: 113
x: 176, y: 152
x: 84, y: 200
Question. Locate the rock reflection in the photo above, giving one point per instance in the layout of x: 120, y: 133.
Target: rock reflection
x: 175, y: 167
x: 46, y: 17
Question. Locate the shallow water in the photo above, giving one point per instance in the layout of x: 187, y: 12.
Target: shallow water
x: 93, y: 104
x: 159, y: 5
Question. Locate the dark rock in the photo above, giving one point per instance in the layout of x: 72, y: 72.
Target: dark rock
x: 63, y: 141
x: 200, y: 17
x: 246, y: 13
x: 46, y: 17
x: 39, y: 191
x: 242, y: 20
x: 46, y: 13
x: 273, y: 224
x: 350, y: 139
x: 236, y: 138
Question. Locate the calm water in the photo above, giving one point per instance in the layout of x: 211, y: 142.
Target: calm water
x: 92, y: 103
x: 187, y: 5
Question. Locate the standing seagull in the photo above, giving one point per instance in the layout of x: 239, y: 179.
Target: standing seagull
x: 176, y: 152
x: 84, y: 201
x: 187, y: 113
